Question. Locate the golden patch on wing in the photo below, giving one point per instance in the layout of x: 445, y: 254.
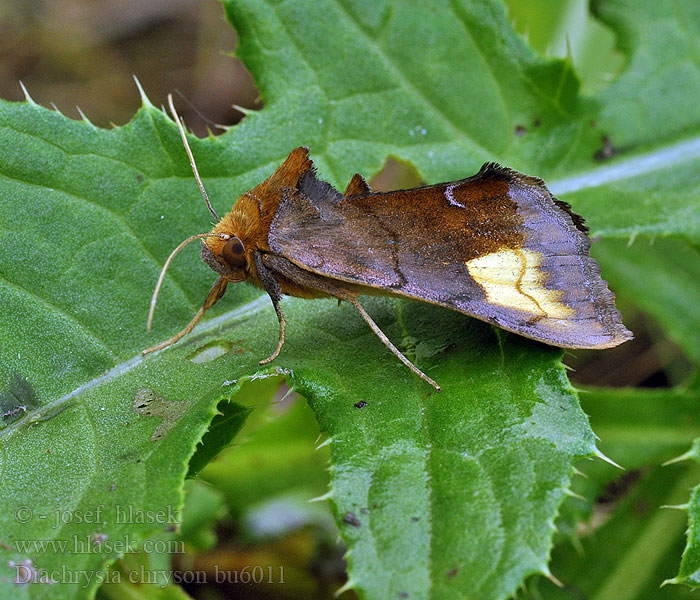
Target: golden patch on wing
x: 512, y: 278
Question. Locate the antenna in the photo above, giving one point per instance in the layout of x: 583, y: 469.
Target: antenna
x: 183, y: 135
x: 192, y: 238
x: 199, y: 112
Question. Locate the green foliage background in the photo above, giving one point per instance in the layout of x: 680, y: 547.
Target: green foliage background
x: 456, y: 495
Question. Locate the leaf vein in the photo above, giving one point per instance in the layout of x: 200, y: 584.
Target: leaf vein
x: 117, y: 217
x: 406, y: 83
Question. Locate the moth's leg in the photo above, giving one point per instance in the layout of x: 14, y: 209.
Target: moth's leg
x: 274, y: 291
x: 387, y: 342
x: 215, y: 294
x: 290, y: 271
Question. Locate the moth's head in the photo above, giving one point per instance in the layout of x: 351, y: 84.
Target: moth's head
x: 227, y: 257
x: 222, y: 249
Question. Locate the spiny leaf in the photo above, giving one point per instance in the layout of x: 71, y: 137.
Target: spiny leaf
x: 88, y: 216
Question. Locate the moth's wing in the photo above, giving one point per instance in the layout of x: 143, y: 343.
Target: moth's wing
x: 496, y: 246
x: 357, y: 187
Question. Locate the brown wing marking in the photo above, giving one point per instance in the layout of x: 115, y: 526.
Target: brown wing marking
x: 357, y: 187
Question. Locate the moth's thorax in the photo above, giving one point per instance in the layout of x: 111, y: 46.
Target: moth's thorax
x: 246, y: 221
x: 251, y: 217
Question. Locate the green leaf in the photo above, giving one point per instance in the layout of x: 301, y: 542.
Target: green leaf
x: 470, y: 477
x: 639, y: 427
x: 649, y: 118
x: 643, y: 426
x: 144, y: 575
x: 275, y: 454
x: 689, y: 572
x: 624, y: 541
x: 653, y: 97
x: 224, y: 427
x: 640, y: 271
x: 628, y: 549
x: 449, y: 495
x: 389, y: 99
x: 203, y: 508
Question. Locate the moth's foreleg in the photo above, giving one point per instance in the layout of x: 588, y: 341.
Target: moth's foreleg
x: 274, y: 291
x: 283, y: 325
x: 215, y: 294
x: 387, y: 342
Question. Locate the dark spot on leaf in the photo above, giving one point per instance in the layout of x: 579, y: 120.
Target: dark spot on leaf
x: 171, y: 528
x: 593, y: 123
x: 364, y: 511
x: 17, y: 400
x: 537, y: 123
x: 520, y: 130
x: 351, y: 519
x: 149, y: 404
x: 452, y: 572
x: 48, y: 452
x: 403, y: 594
x: 112, y: 487
x: 415, y: 519
x: 240, y: 351
x: 138, y: 460
x: 139, y: 178
x: 98, y: 538
x: 210, y: 351
x: 607, y: 151
x: 360, y: 404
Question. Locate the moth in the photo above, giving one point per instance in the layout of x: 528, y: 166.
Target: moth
x: 496, y: 246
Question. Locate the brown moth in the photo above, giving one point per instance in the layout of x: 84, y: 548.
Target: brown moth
x: 496, y: 246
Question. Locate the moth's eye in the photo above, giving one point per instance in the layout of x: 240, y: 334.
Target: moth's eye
x: 234, y: 253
